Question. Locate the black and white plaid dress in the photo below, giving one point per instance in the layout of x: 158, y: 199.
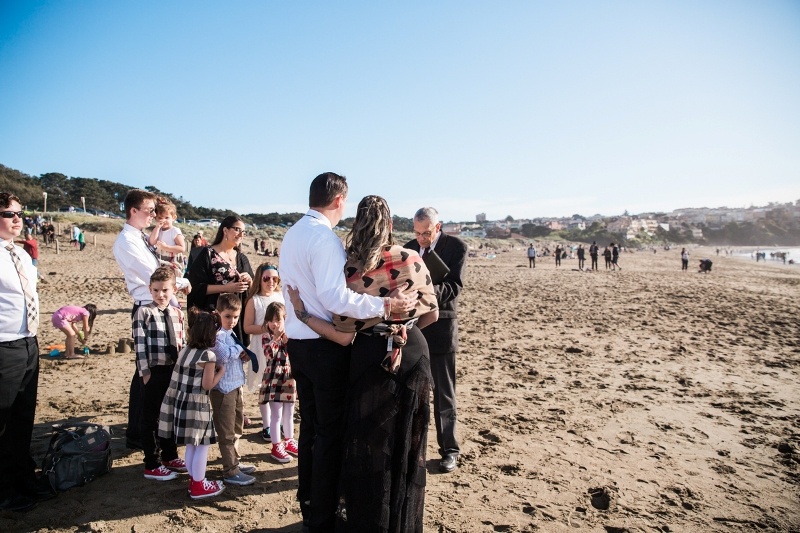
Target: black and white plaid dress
x: 186, y: 409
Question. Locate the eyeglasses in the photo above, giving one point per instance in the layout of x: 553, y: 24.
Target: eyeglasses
x: 239, y: 231
x: 151, y: 211
x: 426, y: 234
x: 275, y: 279
x: 12, y: 214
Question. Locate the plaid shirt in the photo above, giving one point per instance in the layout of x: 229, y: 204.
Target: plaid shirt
x: 150, y: 336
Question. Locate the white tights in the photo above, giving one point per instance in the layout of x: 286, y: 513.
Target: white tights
x: 196, y: 458
x: 264, y: 408
x: 281, y: 413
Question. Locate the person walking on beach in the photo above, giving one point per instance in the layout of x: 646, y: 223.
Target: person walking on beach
x: 312, y: 261
x: 531, y: 256
x: 684, y: 260
x: 442, y: 335
x: 607, y: 257
x: 593, y: 253
x: 19, y: 362
x: 138, y: 260
x: 615, y: 256
x: 581, y: 257
x: 558, y: 255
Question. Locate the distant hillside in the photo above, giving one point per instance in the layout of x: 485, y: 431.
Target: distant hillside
x: 65, y: 191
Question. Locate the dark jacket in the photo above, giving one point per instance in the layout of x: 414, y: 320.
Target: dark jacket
x: 200, y: 277
x: 442, y: 335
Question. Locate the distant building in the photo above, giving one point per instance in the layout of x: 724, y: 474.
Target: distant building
x: 480, y: 217
x: 451, y: 229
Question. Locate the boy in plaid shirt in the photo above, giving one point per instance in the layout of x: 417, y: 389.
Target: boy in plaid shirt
x: 158, y: 337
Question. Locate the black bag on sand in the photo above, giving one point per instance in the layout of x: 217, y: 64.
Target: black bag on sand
x: 78, y: 453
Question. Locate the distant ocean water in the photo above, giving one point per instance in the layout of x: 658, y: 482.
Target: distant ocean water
x: 750, y: 251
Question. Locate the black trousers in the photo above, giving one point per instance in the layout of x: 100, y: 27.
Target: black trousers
x: 153, y: 394
x: 19, y: 384
x: 594, y: 262
x: 531, y: 262
x: 320, y: 369
x: 445, y: 412
x: 134, y: 401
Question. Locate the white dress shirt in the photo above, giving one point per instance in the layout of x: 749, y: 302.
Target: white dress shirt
x: 137, y: 263
x: 312, y: 260
x: 13, y: 311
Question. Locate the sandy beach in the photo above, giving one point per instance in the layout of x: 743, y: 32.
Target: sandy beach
x: 645, y: 399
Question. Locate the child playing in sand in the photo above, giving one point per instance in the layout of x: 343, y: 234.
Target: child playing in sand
x: 167, y: 238
x: 226, y: 397
x: 186, y: 410
x: 278, y: 390
x: 68, y: 318
x: 265, y: 289
x: 157, y: 339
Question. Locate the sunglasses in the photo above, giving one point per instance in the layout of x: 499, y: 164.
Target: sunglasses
x: 151, y: 211
x: 239, y: 231
x: 267, y: 278
x: 12, y: 214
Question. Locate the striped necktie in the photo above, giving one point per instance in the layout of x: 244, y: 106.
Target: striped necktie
x: 32, y: 313
x: 150, y: 248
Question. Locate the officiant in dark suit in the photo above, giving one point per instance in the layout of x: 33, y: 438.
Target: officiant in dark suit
x: 442, y: 336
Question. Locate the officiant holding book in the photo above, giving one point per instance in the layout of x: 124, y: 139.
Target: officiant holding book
x: 442, y: 336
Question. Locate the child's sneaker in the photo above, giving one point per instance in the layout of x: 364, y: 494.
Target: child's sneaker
x: 178, y: 465
x: 205, y: 489
x: 265, y: 434
x: 279, y: 453
x: 290, y: 445
x: 161, y: 473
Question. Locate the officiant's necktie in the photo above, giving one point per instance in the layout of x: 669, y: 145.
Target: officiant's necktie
x: 172, y: 340
x: 425, y: 253
x: 32, y: 312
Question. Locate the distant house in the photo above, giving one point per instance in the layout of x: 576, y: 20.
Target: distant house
x: 697, y: 233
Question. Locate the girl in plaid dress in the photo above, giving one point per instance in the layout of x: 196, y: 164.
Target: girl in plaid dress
x: 278, y: 389
x: 186, y: 410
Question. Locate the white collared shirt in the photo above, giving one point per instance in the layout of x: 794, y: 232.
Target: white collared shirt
x: 137, y: 263
x: 312, y: 260
x: 433, y: 243
x: 13, y: 315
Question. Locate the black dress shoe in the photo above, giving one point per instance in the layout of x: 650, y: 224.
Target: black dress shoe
x: 18, y: 503
x: 448, y: 463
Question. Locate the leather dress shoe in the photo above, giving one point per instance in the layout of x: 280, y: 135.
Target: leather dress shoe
x: 448, y: 463
x: 18, y: 503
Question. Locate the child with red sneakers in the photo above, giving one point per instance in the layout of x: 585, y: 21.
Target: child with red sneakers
x: 278, y: 389
x: 186, y: 409
x: 157, y: 338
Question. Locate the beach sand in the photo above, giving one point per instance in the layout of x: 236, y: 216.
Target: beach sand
x: 642, y: 400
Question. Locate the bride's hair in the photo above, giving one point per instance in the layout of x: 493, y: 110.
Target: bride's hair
x: 372, y: 231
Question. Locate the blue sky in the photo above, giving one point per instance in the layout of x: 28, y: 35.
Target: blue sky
x: 508, y: 108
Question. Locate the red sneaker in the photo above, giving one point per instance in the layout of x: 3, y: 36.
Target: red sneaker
x: 290, y: 445
x: 205, y: 489
x: 178, y: 465
x: 279, y: 453
x: 160, y: 474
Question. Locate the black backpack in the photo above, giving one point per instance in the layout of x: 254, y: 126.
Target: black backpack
x: 78, y: 453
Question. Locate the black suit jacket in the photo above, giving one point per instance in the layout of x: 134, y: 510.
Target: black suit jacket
x: 442, y: 335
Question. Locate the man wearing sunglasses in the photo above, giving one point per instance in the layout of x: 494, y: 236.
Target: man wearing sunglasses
x: 442, y: 335
x: 19, y: 362
x: 138, y: 261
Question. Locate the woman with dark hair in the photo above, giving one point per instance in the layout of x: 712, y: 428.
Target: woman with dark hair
x: 388, y: 406
x: 221, y: 268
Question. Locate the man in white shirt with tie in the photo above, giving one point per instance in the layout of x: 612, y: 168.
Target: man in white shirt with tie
x: 19, y: 362
x: 312, y: 261
x: 138, y: 261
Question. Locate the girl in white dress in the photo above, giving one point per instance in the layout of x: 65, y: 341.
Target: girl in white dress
x: 265, y: 289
